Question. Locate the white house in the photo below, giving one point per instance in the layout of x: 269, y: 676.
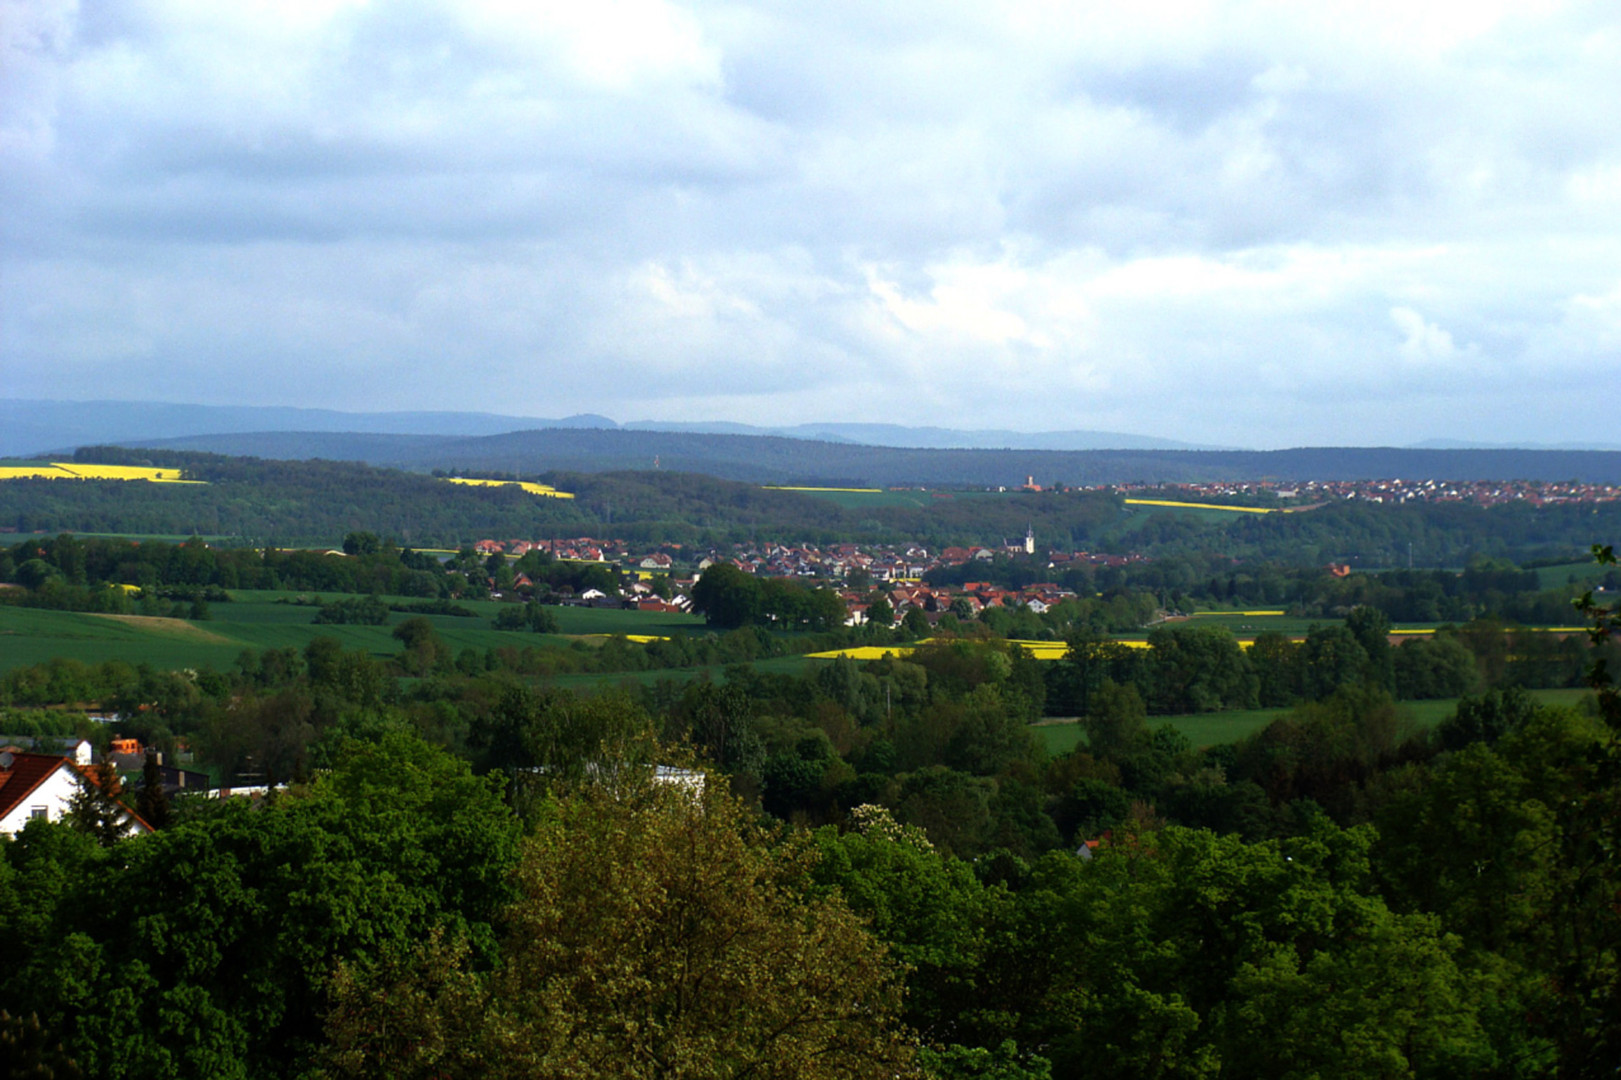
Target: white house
x: 41, y: 786
x: 34, y: 786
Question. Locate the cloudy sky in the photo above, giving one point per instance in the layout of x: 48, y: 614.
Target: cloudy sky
x: 1255, y: 224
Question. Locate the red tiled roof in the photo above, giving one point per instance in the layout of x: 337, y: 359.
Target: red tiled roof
x: 91, y: 776
x: 27, y: 772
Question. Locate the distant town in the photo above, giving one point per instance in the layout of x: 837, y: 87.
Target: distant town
x: 900, y: 569
x: 1316, y: 492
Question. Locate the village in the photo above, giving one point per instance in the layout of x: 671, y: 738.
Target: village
x: 1303, y: 494
x: 661, y: 579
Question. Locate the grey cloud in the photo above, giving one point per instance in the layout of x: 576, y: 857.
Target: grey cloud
x: 1119, y: 223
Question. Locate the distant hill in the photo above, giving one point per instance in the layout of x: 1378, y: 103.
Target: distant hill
x: 35, y: 427
x: 779, y: 460
x: 31, y: 428
x: 932, y: 438
x: 1464, y: 444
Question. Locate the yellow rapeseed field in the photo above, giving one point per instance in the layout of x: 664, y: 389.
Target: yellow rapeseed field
x: 1207, y: 506
x: 72, y: 470
x: 1040, y: 650
x: 545, y: 491
x: 862, y: 652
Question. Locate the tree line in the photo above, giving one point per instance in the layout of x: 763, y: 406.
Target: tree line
x: 263, y: 502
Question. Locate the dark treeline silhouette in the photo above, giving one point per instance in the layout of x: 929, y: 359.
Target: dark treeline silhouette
x: 775, y: 459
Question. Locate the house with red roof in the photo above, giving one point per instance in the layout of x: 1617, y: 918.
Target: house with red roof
x: 42, y: 786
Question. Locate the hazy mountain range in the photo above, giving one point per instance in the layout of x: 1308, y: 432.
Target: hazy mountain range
x: 29, y: 427
x: 33, y: 427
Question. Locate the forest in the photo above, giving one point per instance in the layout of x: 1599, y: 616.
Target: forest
x: 768, y: 459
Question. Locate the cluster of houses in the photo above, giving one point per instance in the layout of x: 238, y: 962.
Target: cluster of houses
x: 854, y: 569
x: 1480, y: 492
x: 966, y: 602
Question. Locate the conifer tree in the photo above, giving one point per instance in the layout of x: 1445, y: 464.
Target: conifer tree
x: 94, y: 808
x: 152, y: 803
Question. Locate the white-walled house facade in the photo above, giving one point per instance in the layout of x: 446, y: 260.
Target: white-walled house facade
x: 34, y: 786
x: 42, y: 786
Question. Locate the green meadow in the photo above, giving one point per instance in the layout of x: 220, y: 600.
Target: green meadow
x: 1214, y: 729
x: 1248, y: 625
x: 255, y: 621
x: 1582, y: 573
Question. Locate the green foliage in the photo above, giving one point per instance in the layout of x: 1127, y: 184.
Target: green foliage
x: 1189, y: 953
x: 1006, y: 1062
x: 363, y: 611
x: 424, y: 650
x: 362, y: 543
x: 729, y: 598
x: 1199, y: 669
x: 1321, y: 751
x: 206, y: 949
x: 542, y: 739
x: 1116, y: 725
x: 1512, y: 847
x: 532, y: 616
x: 1433, y: 667
x: 721, y: 964
x: 1371, y: 628
x: 1605, y: 625
x: 1486, y: 718
x: 152, y: 802
x: 94, y: 808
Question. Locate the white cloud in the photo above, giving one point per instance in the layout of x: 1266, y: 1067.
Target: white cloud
x: 1252, y: 222
x: 1422, y: 342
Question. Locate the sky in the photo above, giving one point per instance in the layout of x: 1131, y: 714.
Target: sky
x: 1245, y: 224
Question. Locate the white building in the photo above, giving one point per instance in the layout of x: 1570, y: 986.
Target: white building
x: 41, y: 786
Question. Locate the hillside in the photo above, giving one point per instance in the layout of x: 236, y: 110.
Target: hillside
x: 262, y: 501
x: 780, y: 460
x: 30, y: 427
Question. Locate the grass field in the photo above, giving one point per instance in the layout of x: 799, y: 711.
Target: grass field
x: 256, y: 621
x: 1250, y: 623
x: 1581, y: 573
x: 1214, y: 729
